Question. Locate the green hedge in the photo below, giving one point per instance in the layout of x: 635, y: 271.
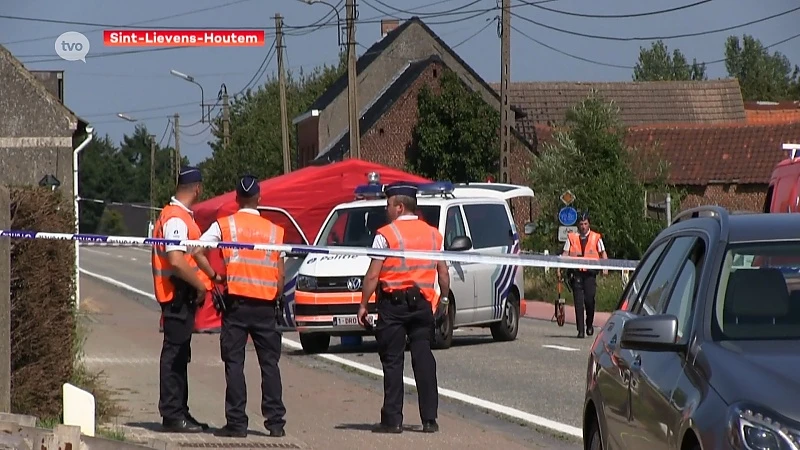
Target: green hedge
x: 543, y: 286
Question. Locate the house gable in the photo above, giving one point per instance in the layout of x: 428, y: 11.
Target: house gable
x: 46, y: 117
x: 413, y: 41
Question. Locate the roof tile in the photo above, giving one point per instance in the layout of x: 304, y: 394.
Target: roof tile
x: 640, y: 103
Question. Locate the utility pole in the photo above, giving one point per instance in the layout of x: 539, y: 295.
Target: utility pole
x: 287, y: 162
x: 176, y: 125
x: 226, y: 120
x: 152, y: 177
x: 352, y: 88
x: 505, y: 106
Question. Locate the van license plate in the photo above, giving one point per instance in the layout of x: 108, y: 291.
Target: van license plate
x: 339, y: 321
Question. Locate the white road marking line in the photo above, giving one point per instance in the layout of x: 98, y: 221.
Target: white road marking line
x: 133, y: 259
x: 464, y: 398
x: 561, y: 347
x: 98, y: 252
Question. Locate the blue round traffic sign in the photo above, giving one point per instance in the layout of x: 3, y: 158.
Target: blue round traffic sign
x: 568, y: 216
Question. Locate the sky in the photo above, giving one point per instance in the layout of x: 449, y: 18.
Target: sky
x: 140, y: 86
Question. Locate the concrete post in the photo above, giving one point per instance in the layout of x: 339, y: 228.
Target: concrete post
x: 5, y: 303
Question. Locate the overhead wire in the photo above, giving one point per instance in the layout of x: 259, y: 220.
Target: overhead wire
x: 157, y: 19
x: 614, y: 16
x: 655, y: 38
x: 169, y: 125
x: 489, y: 21
x: 260, y: 71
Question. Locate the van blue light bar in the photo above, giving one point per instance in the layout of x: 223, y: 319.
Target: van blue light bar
x: 375, y: 191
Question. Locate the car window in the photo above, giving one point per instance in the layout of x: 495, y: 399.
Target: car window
x: 636, y: 284
x: 488, y: 225
x: 356, y: 227
x: 682, y: 299
x: 760, y: 300
x: 454, y: 227
x: 654, y: 296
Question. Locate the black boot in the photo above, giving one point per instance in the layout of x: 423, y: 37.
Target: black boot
x: 430, y: 426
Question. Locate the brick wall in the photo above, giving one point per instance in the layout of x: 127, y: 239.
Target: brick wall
x: 746, y: 197
x: 390, y: 139
x: 307, y: 141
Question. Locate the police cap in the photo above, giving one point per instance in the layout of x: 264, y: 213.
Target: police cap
x: 248, y: 186
x: 400, y: 188
x: 189, y: 175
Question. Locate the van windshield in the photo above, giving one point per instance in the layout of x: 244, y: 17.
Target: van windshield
x: 356, y: 227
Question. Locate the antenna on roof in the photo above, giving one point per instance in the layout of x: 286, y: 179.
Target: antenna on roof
x: 792, y: 148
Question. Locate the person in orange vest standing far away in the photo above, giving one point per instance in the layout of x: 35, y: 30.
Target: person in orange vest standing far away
x: 179, y: 288
x: 586, y: 243
x: 406, y: 300
x: 254, y: 280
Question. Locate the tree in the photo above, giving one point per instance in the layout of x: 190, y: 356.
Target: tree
x: 122, y: 174
x: 761, y: 76
x: 591, y: 159
x: 255, y: 129
x: 456, y: 137
x: 656, y: 64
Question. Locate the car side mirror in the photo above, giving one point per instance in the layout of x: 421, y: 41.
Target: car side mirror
x: 530, y: 228
x: 460, y: 244
x: 650, y: 333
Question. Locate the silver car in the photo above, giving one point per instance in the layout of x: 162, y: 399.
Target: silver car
x: 704, y: 350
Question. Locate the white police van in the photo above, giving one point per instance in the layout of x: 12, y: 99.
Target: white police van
x: 328, y: 287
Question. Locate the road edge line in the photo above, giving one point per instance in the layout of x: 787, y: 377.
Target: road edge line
x: 447, y: 393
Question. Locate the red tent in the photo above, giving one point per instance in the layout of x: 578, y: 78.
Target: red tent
x: 308, y: 195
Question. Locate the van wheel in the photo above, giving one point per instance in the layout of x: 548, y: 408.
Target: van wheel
x: 443, y: 335
x: 508, y: 326
x: 315, y: 342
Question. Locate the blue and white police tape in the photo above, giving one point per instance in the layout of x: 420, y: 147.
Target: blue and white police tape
x: 563, y: 262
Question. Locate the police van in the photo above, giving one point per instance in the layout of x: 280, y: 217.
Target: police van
x: 327, y: 292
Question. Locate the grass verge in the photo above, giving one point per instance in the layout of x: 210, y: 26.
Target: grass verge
x: 541, y: 285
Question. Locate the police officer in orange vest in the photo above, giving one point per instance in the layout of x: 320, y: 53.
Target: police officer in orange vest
x: 406, y: 300
x: 585, y: 244
x: 254, y: 280
x: 179, y: 288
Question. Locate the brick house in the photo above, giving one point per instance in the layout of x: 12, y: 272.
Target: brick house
x: 37, y: 132
x: 723, y: 164
x: 390, y: 75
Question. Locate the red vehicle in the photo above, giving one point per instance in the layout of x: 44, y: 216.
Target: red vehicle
x: 783, y: 194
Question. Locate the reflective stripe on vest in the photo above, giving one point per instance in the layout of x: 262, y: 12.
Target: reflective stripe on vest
x: 591, y: 246
x: 161, y: 268
x: 251, y: 273
x: 403, y: 273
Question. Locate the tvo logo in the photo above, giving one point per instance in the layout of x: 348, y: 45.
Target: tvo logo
x: 72, y: 46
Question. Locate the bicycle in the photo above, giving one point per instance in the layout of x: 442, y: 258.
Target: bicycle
x: 559, y: 314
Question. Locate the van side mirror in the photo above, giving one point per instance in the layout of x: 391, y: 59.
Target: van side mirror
x: 650, y: 333
x: 530, y: 227
x: 460, y: 244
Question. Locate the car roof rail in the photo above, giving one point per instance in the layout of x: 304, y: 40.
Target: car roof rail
x: 713, y: 211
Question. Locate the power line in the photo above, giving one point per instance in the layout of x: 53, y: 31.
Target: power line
x: 619, y: 66
x: 616, y: 16
x: 489, y: 21
x: 654, y: 38
x: 157, y: 19
x: 260, y: 71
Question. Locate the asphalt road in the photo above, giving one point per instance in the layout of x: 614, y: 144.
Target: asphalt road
x: 542, y: 372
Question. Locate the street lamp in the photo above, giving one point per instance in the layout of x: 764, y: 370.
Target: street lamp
x: 203, y: 105
x: 126, y: 117
x: 338, y: 18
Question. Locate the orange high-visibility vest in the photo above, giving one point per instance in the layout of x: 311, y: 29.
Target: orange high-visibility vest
x: 162, y: 269
x: 403, y: 273
x: 251, y: 273
x: 591, y: 246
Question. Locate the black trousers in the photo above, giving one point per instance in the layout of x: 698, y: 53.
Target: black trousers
x: 584, y: 287
x: 176, y: 351
x: 395, y: 322
x: 256, y: 318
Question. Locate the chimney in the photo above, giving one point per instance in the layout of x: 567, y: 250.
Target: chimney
x: 388, y: 25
